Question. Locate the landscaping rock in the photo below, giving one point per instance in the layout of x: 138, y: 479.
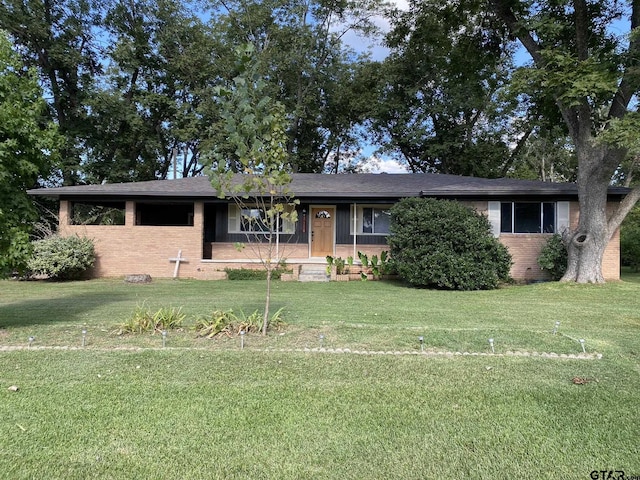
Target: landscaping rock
x: 138, y: 278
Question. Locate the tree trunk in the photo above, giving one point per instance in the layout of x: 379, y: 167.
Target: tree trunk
x: 265, y: 319
x: 587, y: 243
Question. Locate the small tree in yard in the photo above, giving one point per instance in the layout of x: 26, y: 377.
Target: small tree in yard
x: 254, y: 126
x: 443, y: 244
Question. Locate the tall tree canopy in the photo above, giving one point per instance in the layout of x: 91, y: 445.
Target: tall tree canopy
x: 131, y: 83
x: 161, y: 59
x: 300, y: 52
x: 58, y: 38
x: 591, y: 73
x: 441, y: 106
x: 27, y: 149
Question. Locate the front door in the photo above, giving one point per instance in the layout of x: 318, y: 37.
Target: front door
x: 322, y: 224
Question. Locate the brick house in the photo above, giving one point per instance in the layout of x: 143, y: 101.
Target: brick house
x: 140, y: 227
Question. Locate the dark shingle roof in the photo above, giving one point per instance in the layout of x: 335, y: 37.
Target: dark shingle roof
x: 307, y: 185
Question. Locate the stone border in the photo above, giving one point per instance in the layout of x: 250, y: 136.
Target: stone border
x: 429, y: 354
x: 578, y: 356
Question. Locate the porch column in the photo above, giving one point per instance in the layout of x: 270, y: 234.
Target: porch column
x: 355, y: 230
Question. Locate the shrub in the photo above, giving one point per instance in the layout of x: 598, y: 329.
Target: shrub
x: 443, y: 244
x: 222, y: 322
x: 62, y: 258
x: 251, y: 274
x: 630, y: 240
x: 144, y: 320
x: 553, y: 257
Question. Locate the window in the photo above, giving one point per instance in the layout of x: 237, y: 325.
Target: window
x: 372, y: 220
x: 528, y: 217
x: 252, y: 220
x: 165, y: 214
x: 97, y: 213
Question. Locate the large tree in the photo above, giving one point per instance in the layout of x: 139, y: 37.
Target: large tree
x: 59, y: 39
x: 27, y: 147
x: 301, y: 55
x: 440, y: 106
x: 592, y: 73
x: 147, y: 116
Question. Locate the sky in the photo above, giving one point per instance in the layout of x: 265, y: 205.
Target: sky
x: 376, y: 163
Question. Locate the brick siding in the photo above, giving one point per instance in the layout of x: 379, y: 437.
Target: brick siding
x: 135, y: 249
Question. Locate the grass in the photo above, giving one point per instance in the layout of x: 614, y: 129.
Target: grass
x: 205, y: 409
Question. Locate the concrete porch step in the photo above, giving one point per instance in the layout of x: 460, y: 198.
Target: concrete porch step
x: 313, y: 273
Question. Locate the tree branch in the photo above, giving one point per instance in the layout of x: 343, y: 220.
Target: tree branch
x: 516, y: 151
x: 504, y: 11
x: 506, y: 14
x: 582, y: 29
x: 623, y: 209
x: 629, y: 83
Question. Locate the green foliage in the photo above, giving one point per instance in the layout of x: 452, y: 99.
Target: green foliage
x: 364, y: 259
x: 62, y: 258
x: 60, y: 40
x: 443, y: 244
x: 217, y: 323
x: 144, y: 320
x: 329, y: 264
x: 222, y: 322
x: 27, y: 148
x: 439, y: 106
x: 553, y: 257
x: 374, y: 265
x: 340, y: 264
x: 349, y: 263
x: 251, y: 274
x: 254, y: 126
x: 96, y: 214
x: 584, y: 68
x: 630, y: 240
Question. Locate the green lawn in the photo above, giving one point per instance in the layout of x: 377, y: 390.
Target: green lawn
x: 206, y: 409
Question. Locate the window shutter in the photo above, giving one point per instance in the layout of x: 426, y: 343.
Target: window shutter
x: 562, y: 218
x: 288, y: 226
x: 359, y: 221
x: 232, y: 223
x: 493, y: 213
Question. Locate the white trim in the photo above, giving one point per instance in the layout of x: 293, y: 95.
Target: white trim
x: 234, y: 222
x: 494, y: 215
x: 356, y: 227
x: 563, y: 216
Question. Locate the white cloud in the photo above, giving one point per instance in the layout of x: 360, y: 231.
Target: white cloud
x: 375, y: 164
x: 362, y: 44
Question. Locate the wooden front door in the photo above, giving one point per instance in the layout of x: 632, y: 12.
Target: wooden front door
x: 322, y: 224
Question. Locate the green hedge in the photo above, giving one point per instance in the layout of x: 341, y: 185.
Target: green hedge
x: 444, y: 244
